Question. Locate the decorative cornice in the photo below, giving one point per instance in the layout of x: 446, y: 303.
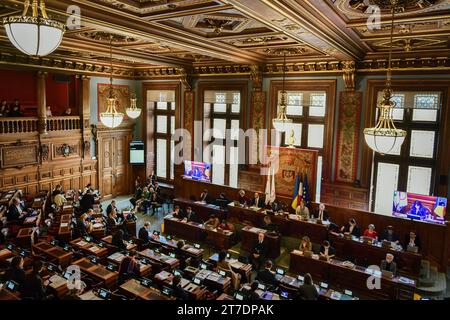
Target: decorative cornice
x: 407, y: 64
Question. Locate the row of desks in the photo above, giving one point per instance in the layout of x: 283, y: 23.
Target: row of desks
x: 353, y: 278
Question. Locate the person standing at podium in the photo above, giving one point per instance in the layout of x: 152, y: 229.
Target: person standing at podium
x: 259, y: 252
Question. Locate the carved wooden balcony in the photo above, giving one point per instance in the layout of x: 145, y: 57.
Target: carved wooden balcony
x: 30, y: 124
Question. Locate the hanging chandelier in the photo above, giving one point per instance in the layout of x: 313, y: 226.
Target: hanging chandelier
x: 385, y: 137
x: 281, y: 122
x: 111, y: 118
x: 133, y: 111
x: 34, y: 35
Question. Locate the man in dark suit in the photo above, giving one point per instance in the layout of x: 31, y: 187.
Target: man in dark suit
x: 322, y: 213
x: 143, y: 233
x: 16, y: 272
x: 111, y: 206
x: 204, y: 197
x: 87, y: 201
x: 33, y: 287
x: 252, y: 295
x: 259, y: 251
x: 178, y: 291
x: 326, y: 250
x: 389, y: 235
x: 258, y: 201
x: 178, y: 213
x: 191, y: 215
x: 308, y: 291
x: 412, y: 240
x: 16, y: 211
x: 389, y: 264
x: 266, y: 276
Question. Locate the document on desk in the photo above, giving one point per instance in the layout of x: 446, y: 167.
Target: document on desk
x: 94, y: 249
x: 81, y: 243
x: 171, y: 260
x: 97, y: 225
x: 116, y: 256
x: 56, y: 281
x: 237, y: 264
x: 64, y: 224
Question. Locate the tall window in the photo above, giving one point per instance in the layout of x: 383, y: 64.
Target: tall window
x: 222, y: 111
x: 410, y: 168
x: 164, y: 106
x: 308, y: 110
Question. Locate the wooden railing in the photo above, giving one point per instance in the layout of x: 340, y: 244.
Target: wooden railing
x: 30, y: 124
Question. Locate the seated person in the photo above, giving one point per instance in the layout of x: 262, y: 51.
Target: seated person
x: 308, y: 290
x: 117, y: 240
x: 151, y: 180
x: 129, y: 267
x: 85, y: 224
x: 204, y: 197
x: 243, y: 199
x: 389, y: 235
x: 16, y: 272
x: 412, y: 240
x: 192, y: 216
x: 302, y: 211
x: 180, y: 254
x: 305, y: 244
x: 87, y: 201
x: 252, y: 295
x: 145, y: 200
x: 57, y: 190
x: 225, y: 225
x: 88, y: 188
x: 178, y: 213
x: 222, y: 264
x: 213, y: 222
x: 178, y: 291
x: 112, y: 220
x: 370, y: 232
x: 267, y: 276
x: 59, y: 199
x: 154, y: 201
x: 389, y: 264
x: 16, y: 211
x: 135, y: 201
x: 111, y: 206
x: 257, y: 201
x: 33, y: 287
x: 223, y: 197
x: 326, y: 250
x: 351, y: 228
x: 321, y: 213
x: 157, y: 188
x: 259, y: 251
x: 143, y: 234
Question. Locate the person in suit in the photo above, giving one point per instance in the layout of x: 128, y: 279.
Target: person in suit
x: 178, y: 291
x: 412, y: 240
x: 15, y: 109
x: 321, y: 213
x: 351, y: 228
x: 267, y: 276
x: 16, y: 272
x: 112, y: 221
x: 243, y: 199
x: 157, y: 188
x: 129, y: 267
x: 388, y: 264
x: 143, y: 233
x: 137, y: 196
x: 57, y: 190
x: 33, y: 287
x: 259, y: 251
x: 252, y: 295
x: 257, y: 201
x: 117, y: 240
x: 87, y: 201
x: 178, y: 213
x: 326, y: 250
x: 389, y: 235
x: 204, y: 197
x: 112, y: 206
x: 16, y: 211
x: 308, y: 290
x: 192, y: 216
x: 305, y: 244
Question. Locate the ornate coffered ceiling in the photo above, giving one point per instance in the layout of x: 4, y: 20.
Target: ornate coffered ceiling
x: 194, y: 33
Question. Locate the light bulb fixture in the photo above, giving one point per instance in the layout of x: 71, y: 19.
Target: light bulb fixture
x: 34, y: 35
x: 281, y: 122
x: 385, y: 137
x: 133, y: 111
x: 111, y: 118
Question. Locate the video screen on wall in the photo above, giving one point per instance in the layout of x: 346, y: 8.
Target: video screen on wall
x: 199, y: 171
x: 137, y: 153
x: 419, y: 207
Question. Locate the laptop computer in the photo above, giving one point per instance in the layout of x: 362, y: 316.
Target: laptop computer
x: 284, y: 294
x: 262, y: 286
x: 280, y: 271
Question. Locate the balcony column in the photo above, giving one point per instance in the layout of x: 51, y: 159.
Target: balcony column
x: 42, y: 102
x: 84, y: 110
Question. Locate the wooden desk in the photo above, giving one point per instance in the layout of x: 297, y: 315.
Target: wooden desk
x: 33, y: 220
x: 99, y: 228
x: 225, y: 297
x: 6, y: 295
x: 367, y: 254
x: 130, y: 246
x: 117, y: 257
x: 213, y: 279
x: 354, y: 278
x: 99, y: 272
x: 202, y: 210
x: 89, y: 248
x: 249, y: 237
x: 24, y: 236
x: 5, y: 254
x: 166, y: 261
x: 135, y: 289
x: 56, y: 253
x: 172, y: 244
x: 90, y: 295
x: 244, y: 269
x: 194, y: 291
x: 37, y: 203
x: 65, y: 229
x: 58, y: 285
x: 196, y: 232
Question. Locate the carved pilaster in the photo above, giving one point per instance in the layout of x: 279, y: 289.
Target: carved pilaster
x: 349, y: 69
x: 256, y: 76
x: 185, y: 79
x: 42, y: 102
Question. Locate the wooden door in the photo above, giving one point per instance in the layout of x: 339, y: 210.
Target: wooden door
x: 113, y: 162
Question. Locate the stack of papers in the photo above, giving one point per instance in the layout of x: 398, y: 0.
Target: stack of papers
x: 82, y: 243
x: 94, y: 249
